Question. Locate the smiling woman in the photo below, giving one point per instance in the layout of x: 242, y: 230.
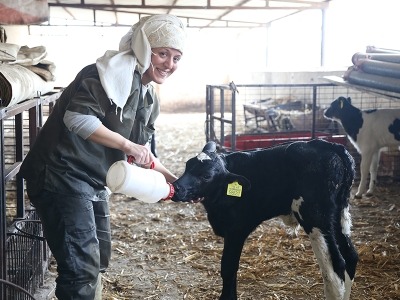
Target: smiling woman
x: 105, y: 115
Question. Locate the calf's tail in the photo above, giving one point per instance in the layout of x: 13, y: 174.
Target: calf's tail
x: 349, y: 173
x: 348, y: 165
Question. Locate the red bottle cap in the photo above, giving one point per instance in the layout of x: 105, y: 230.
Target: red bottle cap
x: 171, y: 192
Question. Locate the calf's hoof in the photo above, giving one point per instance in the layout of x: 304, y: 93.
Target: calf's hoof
x: 227, y: 298
x: 358, y: 196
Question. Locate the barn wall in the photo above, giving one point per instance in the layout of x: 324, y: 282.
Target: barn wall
x: 203, y: 63
x: 71, y: 48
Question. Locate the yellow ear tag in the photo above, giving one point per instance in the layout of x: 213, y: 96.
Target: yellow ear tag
x: 234, y: 189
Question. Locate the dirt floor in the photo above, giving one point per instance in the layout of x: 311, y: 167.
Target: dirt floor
x: 168, y: 251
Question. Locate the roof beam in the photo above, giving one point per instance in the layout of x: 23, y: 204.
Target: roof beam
x: 308, y: 5
x: 225, y: 13
x: 295, y: 6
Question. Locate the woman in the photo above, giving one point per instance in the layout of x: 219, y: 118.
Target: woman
x: 106, y: 114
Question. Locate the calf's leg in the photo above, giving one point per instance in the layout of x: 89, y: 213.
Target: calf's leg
x: 330, y: 262
x: 351, y: 258
x: 373, y: 170
x: 233, y: 246
x: 366, y: 158
x: 347, y: 250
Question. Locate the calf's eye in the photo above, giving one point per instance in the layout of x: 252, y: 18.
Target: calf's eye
x: 206, y: 177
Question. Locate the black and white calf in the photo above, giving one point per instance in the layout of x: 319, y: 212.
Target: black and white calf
x: 369, y: 131
x: 306, y: 183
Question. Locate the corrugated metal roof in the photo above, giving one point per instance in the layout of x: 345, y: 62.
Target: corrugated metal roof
x: 196, y: 13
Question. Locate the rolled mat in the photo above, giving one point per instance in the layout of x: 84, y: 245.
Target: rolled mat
x: 8, y: 52
x: 373, y: 49
x: 379, y: 68
x: 355, y: 76
x: 17, y: 84
x: 388, y: 57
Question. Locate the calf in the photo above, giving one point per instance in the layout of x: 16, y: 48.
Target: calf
x: 306, y: 183
x: 369, y: 131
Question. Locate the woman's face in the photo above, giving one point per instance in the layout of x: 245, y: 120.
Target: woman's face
x: 164, y: 62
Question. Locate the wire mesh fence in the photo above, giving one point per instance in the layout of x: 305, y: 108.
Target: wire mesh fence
x: 27, y: 256
x: 250, y: 116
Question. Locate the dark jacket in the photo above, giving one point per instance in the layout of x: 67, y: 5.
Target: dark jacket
x: 63, y: 162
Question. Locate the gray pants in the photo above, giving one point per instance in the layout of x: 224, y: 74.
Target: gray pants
x: 77, y: 231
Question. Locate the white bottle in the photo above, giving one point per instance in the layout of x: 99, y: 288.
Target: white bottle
x: 145, y: 185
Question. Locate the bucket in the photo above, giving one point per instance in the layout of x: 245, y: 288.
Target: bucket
x: 145, y: 185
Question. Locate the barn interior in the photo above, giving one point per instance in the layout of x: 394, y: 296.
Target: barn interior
x: 255, y: 73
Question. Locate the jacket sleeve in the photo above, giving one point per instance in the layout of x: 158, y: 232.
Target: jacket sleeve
x: 82, y: 125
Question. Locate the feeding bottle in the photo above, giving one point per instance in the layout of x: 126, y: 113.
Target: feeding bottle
x: 146, y: 185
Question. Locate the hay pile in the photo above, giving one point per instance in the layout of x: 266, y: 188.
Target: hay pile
x: 168, y: 251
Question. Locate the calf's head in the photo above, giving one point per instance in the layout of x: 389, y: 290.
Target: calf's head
x: 204, y: 175
x: 337, y: 108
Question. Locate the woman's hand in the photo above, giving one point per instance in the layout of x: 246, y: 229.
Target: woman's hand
x: 141, y: 155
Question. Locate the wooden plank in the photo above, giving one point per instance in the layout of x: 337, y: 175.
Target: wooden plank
x: 24, y: 12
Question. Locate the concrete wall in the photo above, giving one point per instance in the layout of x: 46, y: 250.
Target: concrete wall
x: 204, y: 62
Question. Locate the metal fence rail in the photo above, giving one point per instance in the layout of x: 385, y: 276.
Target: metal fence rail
x: 11, y: 291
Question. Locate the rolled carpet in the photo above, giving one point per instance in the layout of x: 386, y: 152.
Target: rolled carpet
x: 388, y: 57
x: 355, y: 76
x: 374, y: 49
x: 18, y: 83
x: 377, y: 67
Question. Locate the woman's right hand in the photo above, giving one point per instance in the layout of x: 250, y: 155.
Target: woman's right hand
x: 140, y: 155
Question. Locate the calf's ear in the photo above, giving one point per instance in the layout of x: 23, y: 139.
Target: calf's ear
x: 243, y: 181
x: 210, y: 147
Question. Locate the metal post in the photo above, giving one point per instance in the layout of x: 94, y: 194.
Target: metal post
x: 314, y: 111
x: 208, y: 134
x: 3, y: 223
x: 19, y: 152
x: 323, y: 29
x: 33, y: 124
x: 233, y: 120
x: 212, y: 112
x: 222, y: 111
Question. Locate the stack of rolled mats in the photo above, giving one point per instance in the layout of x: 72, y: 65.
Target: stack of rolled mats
x: 376, y: 68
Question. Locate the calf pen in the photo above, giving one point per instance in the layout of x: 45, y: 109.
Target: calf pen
x: 250, y: 116
x: 24, y: 254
